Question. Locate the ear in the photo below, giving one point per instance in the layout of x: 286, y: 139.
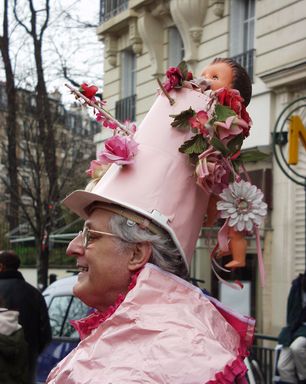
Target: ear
x: 139, y: 256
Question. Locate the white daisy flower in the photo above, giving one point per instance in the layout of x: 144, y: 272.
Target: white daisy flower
x: 242, y: 204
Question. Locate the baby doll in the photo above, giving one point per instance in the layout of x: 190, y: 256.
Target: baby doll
x: 226, y: 73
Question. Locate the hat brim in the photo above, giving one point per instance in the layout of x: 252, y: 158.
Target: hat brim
x: 79, y: 200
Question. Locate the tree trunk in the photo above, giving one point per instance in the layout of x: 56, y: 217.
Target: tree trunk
x: 11, y: 123
x: 42, y: 244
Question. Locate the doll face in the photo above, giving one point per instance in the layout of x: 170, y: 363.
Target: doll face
x: 220, y: 75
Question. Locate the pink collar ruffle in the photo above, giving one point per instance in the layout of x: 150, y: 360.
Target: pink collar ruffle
x: 232, y: 373
x: 85, y: 326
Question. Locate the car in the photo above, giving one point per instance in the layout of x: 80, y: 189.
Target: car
x: 62, y: 307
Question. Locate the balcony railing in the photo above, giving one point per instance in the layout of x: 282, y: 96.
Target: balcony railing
x: 111, y: 8
x: 246, y: 60
x: 125, y: 108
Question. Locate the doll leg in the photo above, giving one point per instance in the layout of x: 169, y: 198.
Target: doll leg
x: 238, y: 246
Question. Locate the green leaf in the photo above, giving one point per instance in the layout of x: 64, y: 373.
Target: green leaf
x: 219, y: 146
x: 222, y: 112
x: 194, y: 146
x: 181, y: 121
x: 235, y: 144
x: 253, y: 155
x: 183, y: 68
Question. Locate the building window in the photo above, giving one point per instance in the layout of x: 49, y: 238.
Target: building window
x: 128, y: 73
x: 242, y: 33
x: 175, y: 47
x: 125, y: 107
x: 111, y: 8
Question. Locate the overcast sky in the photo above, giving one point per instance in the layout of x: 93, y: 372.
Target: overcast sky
x: 65, y: 44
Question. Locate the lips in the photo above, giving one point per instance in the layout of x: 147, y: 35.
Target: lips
x: 82, y: 268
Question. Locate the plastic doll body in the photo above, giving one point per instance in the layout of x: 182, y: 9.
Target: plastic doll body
x: 221, y: 75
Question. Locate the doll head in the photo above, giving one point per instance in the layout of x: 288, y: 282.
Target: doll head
x: 226, y: 72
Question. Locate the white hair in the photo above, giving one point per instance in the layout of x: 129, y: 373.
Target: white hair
x: 164, y: 252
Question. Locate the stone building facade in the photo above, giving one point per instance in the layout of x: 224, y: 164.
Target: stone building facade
x: 144, y: 37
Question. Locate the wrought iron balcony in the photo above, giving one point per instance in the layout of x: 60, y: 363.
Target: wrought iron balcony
x: 246, y: 59
x: 111, y: 8
x: 126, y: 108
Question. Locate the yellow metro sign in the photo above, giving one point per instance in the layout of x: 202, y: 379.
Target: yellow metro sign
x: 297, y: 131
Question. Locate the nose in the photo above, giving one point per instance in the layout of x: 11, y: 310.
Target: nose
x: 75, y: 247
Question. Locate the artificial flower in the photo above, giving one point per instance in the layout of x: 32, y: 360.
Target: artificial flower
x: 245, y: 116
x: 231, y: 127
x: 231, y: 98
x: 96, y: 169
x: 242, y: 206
x: 119, y: 149
x: 198, y: 122
x: 106, y: 122
x: 88, y: 91
x: 175, y: 78
x: 131, y: 127
x: 212, y: 171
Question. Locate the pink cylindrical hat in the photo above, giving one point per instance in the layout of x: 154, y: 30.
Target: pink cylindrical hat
x: 160, y: 185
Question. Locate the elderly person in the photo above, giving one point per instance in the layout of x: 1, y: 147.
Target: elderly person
x: 142, y: 221
x: 151, y: 325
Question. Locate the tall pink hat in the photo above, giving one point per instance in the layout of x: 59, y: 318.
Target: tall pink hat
x: 160, y: 185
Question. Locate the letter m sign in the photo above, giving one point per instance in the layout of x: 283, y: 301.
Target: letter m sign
x: 296, y: 131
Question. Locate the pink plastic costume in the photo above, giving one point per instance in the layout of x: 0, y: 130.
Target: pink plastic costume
x: 165, y: 331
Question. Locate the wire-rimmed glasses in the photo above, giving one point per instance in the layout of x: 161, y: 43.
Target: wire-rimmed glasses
x: 85, y: 233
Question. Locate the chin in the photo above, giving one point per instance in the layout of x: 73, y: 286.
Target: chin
x: 81, y: 293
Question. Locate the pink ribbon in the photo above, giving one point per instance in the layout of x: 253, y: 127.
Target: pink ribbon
x: 223, y: 237
x: 260, y: 258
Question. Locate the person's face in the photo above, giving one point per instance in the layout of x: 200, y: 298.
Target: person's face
x: 219, y: 74
x: 104, y: 272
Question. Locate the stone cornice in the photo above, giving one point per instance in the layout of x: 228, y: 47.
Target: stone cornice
x: 285, y: 76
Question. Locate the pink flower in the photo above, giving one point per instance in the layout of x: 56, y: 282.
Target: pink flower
x: 175, y: 78
x: 198, y: 122
x: 232, y: 126
x: 245, y: 116
x: 96, y: 169
x: 88, y: 91
x: 119, y: 150
x: 130, y: 126
x: 212, y: 172
x: 231, y: 98
x: 99, y: 117
x: 107, y: 123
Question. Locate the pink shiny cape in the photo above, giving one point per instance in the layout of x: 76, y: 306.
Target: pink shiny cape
x: 165, y: 331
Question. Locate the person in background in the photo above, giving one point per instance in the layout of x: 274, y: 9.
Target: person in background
x: 20, y: 296
x: 292, y: 360
x: 13, y: 348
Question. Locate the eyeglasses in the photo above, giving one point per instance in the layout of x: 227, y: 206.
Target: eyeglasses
x: 86, y: 235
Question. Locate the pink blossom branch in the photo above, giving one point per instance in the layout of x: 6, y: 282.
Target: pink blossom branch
x: 101, y: 110
x: 171, y: 101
